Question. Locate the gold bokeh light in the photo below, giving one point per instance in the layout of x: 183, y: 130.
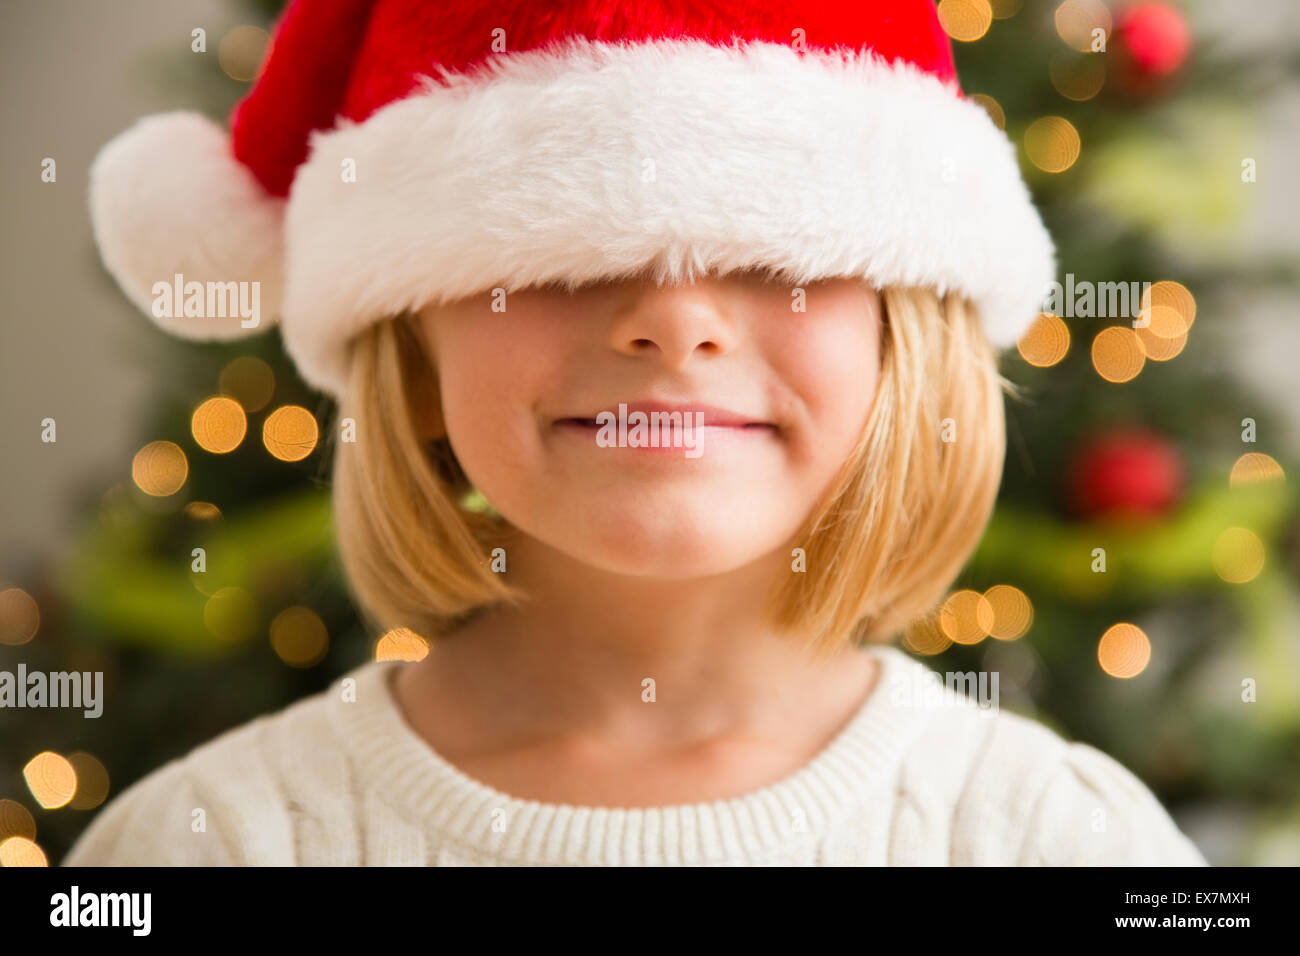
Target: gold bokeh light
x: 160, y: 469
x: 1238, y: 555
x: 219, y: 425
x: 1117, y: 354
x: 299, y: 637
x: 965, y: 20
x: 249, y: 381
x: 1052, y: 144
x: 1012, y: 612
x: 401, y: 644
x: 20, y: 851
x: 1076, y: 21
x: 20, y: 617
x: 1255, y: 468
x: 51, y: 779
x: 1124, y: 651
x: 92, y: 781
x: 1046, y: 342
x: 966, y: 617
x: 290, y: 433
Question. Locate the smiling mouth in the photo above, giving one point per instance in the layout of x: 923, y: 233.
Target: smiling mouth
x: 592, y: 423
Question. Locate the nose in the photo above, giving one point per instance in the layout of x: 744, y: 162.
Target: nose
x: 676, y: 322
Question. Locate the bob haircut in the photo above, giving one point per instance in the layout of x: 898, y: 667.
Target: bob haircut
x: 880, y: 549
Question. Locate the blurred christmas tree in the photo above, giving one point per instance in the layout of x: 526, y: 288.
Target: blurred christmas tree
x: 1136, y: 587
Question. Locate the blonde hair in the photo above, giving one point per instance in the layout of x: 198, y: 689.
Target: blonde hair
x: 881, y: 548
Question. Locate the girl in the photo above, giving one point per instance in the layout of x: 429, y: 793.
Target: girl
x: 778, y: 236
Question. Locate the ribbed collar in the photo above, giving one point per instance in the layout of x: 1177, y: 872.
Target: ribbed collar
x: 472, y: 819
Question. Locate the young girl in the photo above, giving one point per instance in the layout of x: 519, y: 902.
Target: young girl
x: 705, y: 304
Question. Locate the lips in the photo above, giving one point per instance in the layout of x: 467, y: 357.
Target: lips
x: 712, y: 415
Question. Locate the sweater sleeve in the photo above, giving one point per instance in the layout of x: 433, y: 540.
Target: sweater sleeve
x: 160, y: 820
x: 1095, y: 812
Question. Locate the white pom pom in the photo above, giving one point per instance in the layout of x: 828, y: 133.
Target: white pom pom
x: 167, y: 199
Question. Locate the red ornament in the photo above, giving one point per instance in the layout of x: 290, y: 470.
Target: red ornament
x: 1155, y: 36
x: 1132, y: 473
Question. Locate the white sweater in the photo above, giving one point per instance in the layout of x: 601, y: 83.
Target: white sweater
x: 339, y: 778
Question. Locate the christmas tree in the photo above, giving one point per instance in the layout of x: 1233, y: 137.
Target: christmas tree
x: 1135, y: 589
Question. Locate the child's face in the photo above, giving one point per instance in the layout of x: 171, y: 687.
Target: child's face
x: 510, y: 382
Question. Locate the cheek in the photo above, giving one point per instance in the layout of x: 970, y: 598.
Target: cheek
x: 492, y: 372
x: 833, y: 365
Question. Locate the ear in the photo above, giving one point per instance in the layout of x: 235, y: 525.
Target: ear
x: 422, y: 387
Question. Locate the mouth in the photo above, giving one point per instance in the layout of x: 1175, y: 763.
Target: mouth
x: 689, y: 415
x: 646, y: 427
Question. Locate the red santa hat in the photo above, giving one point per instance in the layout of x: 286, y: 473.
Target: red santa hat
x: 397, y: 153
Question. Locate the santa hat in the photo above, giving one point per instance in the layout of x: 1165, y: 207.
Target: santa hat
x: 397, y: 153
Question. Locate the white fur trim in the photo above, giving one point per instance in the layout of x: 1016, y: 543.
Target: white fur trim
x: 814, y: 165
x: 168, y: 197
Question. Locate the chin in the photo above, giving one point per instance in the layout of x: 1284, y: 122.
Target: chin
x: 668, y: 548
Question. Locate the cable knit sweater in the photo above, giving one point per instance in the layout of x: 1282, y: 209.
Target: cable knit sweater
x: 339, y: 778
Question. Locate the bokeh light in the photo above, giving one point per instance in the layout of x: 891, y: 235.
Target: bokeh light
x: 202, y: 511
x: 249, y: 381
x: 1077, y: 19
x: 1046, y: 342
x: 1124, y: 651
x: 924, y: 636
x: 965, y: 20
x: 219, y: 425
x: 1077, y: 78
x: 20, y: 617
x: 20, y: 851
x: 231, y: 615
x: 290, y: 433
x: 240, y: 52
x: 1253, y: 468
x: 992, y: 107
x: 92, y: 781
x: 160, y: 469
x: 1117, y: 354
x: 1052, y: 144
x: 401, y: 644
x: 1012, y: 612
x: 1165, y: 334
x: 51, y: 779
x: 1005, y: 9
x: 966, y: 617
x: 299, y: 637
x: 1171, y: 295
x: 1238, y: 555
x: 16, y: 820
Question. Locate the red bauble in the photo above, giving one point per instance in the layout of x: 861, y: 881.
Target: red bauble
x: 1125, y: 474
x: 1156, y: 37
